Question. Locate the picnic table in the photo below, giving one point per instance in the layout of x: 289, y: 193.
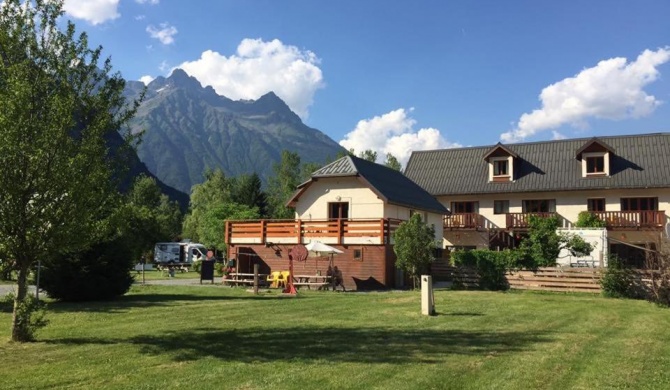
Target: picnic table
x: 318, y: 281
x: 241, y: 279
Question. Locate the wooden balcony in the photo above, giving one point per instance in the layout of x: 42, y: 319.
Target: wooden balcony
x: 522, y: 220
x: 650, y: 220
x: 463, y: 221
x: 334, y: 231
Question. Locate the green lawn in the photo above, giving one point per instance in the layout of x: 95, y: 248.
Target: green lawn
x: 219, y: 337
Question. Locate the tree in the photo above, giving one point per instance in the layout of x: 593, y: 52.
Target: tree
x: 414, y: 246
x: 215, y: 190
x: 392, y: 162
x: 369, y: 155
x: 60, y: 107
x: 211, y: 230
x: 283, y: 184
x: 543, y: 245
x: 147, y: 217
x: 247, y: 190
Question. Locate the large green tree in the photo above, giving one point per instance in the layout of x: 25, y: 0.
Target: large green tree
x: 60, y: 105
x: 215, y: 190
x: 283, y: 184
x: 248, y: 190
x: 147, y: 217
x: 414, y: 246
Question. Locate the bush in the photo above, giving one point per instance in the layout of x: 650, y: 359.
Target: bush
x: 30, y: 313
x: 588, y: 219
x: 618, y: 281
x: 100, y: 273
x: 491, y: 266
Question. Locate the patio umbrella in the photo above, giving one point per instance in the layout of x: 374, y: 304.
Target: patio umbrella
x: 320, y: 249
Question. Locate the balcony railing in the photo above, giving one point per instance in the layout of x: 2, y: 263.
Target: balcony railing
x: 652, y: 219
x: 522, y: 220
x: 334, y: 231
x: 463, y: 221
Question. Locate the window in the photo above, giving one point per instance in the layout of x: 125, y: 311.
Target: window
x: 639, y: 204
x: 338, y: 210
x: 500, y: 206
x: 464, y: 207
x: 358, y: 254
x: 595, y: 165
x: 500, y: 168
x: 539, y: 206
x: 595, y: 204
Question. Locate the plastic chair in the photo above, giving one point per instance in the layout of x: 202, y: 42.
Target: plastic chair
x: 273, y: 278
x: 285, y: 275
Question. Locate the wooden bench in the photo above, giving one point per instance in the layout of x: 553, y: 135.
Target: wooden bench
x: 310, y: 284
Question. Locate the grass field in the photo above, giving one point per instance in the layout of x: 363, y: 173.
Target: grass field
x: 225, y: 338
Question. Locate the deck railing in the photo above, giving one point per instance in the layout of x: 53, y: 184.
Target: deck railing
x: 522, y: 220
x: 652, y: 219
x: 335, y: 231
x: 463, y: 221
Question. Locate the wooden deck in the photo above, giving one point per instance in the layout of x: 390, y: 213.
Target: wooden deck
x: 336, y: 231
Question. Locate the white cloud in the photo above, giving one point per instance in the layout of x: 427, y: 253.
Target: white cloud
x: 152, y: 2
x: 394, y: 133
x: 164, y: 67
x: 612, y: 90
x: 140, y: 17
x: 165, y: 33
x: 92, y: 11
x: 146, y: 79
x: 259, y: 67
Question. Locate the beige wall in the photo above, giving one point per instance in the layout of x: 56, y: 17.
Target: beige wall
x: 568, y: 205
x: 363, y: 203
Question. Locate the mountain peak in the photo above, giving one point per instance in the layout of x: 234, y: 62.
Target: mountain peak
x: 180, y: 78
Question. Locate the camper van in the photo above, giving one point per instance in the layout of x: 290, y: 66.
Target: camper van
x: 179, y: 252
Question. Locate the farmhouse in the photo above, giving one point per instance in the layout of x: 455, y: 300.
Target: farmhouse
x: 492, y: 190
x: 351, y: 204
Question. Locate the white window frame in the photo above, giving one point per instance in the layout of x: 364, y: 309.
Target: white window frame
x: 606, y: 164
x: 510, y: 168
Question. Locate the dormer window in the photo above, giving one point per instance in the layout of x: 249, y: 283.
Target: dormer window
x: 595, y: 156
x: 500, y: 168
x: 595, y: 165
x: 501, y: 163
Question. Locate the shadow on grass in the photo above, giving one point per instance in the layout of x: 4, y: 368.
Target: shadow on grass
x: 365, y: 345
x: 461, y: 314
x: 126, y: 302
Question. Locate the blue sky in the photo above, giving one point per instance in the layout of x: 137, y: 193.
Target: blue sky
x: 396, y: 76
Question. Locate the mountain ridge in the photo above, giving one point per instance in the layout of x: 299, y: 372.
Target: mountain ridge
x: 189, y: 128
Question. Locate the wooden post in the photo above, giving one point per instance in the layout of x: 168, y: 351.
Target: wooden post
x: 299, y: 232
x: 263, y: 231
x: 256, y: 279
x: 226, y: 235
x: 384, y: 236
x: 340, y: 230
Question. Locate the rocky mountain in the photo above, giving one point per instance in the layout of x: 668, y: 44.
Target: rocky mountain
x: 188, y: 129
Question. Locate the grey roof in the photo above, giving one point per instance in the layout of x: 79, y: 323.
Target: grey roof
x: 392, y: 185
x: 639, y: 161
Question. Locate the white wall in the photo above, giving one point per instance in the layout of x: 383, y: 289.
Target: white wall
x: 363, y: 203
x: 598, y: 256
x: 568, y: 203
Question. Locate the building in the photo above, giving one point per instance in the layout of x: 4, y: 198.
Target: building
x: 351, y: 204
x: 492, y: 190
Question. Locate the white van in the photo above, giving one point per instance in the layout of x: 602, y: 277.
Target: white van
x: 179, y: 252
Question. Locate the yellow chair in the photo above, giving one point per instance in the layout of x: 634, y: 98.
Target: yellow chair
x: 284, y: 277
x: 273, y: 279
